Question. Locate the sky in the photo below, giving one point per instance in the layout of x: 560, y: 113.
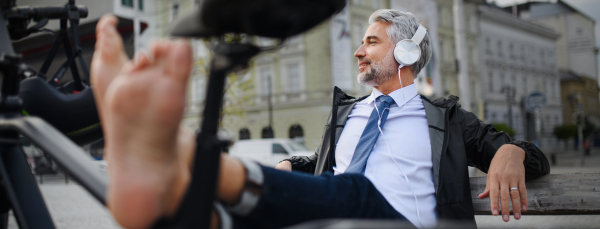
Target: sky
x: 590, y: 8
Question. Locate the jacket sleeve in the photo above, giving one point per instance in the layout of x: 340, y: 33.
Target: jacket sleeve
x: 482, y: 141
x: 305, y: 164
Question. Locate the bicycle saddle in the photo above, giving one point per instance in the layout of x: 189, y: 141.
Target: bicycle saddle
x: 75, y: 115
x: 267, y: 18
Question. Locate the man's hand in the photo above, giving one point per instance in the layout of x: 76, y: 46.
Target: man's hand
x: 284, y: 166
x: 506, y: 173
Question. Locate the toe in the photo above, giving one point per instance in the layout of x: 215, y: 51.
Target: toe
x: 179, y: 61
x: 110, y: 43
x: 158, y: 51
x: 106, y: 21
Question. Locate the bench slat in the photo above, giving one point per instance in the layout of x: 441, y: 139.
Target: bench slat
x: 555, y: 194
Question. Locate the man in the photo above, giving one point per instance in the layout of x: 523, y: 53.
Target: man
x: 425, y: 146
x: 141, y: 105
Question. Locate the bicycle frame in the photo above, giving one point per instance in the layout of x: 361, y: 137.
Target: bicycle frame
x: 18, y: 183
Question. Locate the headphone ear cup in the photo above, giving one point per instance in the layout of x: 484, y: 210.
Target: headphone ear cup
x: 407, y: 52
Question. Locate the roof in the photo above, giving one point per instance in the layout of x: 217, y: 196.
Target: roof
x: 570, y: 76
x: 566, y: 7
x: 499, y: 15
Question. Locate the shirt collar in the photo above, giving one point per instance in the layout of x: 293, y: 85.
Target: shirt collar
x: 409, y: 91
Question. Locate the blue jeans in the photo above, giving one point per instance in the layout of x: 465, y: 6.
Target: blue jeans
x: 292, y: 198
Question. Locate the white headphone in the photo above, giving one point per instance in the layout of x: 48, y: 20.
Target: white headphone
x: 407, y: 51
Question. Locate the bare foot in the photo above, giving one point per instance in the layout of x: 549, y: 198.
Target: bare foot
x: 142, y: 107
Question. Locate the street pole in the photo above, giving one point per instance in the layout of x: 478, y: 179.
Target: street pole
x: 538, y: 128
x: 463, y: 71
x: 580, y: 123
x: 510, y: 94
x: 270, y: 94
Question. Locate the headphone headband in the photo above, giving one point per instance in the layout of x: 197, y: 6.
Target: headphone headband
x: 419, y: 35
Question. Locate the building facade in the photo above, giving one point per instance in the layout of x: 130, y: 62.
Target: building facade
x: 575, y: 50
x: 299, y: 79
x: 518, y: 57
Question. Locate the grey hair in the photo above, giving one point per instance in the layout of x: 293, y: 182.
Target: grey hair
x: 403, y: 25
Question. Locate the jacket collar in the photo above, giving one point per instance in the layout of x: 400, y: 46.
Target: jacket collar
x: 341, y: 98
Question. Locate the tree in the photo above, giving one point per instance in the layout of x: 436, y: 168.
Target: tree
x: 565, y: 132
x: 503, y: 127
x: 238, y: 93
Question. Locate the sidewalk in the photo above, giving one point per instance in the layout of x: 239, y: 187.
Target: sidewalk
x: 71, y: 206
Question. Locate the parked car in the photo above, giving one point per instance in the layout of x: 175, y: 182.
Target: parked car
x: 268, y: 152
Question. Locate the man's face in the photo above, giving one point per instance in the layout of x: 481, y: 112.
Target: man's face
x: 376, y: 63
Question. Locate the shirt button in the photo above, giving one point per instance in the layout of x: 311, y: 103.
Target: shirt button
x: 370, y: 170
x: 374, y: 146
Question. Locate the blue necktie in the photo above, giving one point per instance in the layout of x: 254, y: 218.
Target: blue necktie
x: 369, y: 136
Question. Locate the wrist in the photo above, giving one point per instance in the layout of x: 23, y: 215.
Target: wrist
x: 515, y: 151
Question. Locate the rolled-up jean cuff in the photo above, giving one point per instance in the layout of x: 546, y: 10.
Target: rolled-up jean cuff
x: 249, y: 200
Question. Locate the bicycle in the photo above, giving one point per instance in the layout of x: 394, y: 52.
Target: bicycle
x: 268, y: 18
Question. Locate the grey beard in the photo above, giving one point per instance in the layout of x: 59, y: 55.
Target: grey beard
x: 380, y: 72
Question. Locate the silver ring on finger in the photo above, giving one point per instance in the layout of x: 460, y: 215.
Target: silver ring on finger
x: 514, y: 188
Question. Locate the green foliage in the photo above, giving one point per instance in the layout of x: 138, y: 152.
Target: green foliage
x: 239, y: 86
x: 589, y: 128
x: 565, y: 132
x: 503, y: 127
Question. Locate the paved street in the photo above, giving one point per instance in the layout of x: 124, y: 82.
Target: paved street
x: 72, y: 207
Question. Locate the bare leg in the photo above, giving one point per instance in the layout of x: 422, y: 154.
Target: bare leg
x: 141, y: 105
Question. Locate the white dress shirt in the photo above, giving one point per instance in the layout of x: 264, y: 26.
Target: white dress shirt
x: 407, y: 134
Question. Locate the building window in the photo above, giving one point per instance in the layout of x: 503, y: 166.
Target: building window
x: 491, y: 81
x: 174, y: 12
x: 267, y: 132
x: 198, y: 88
x: 474, y: 56
x: 500, y: 48
x: 488, y: 46
x: 244, y: 134
x: 296, y: 131
x: 265, y: 81
x: 542, y: 59
x: 513, y: 81
x: 129, y: 3
x: 294, y: 83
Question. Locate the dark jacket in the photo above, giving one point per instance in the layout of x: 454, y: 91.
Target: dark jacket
x: 458, y: 138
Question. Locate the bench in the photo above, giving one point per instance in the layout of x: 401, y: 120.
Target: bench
x: 554, y: 194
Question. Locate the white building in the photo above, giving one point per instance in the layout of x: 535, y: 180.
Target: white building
x: 519, y: 55
x: 576, y: 49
